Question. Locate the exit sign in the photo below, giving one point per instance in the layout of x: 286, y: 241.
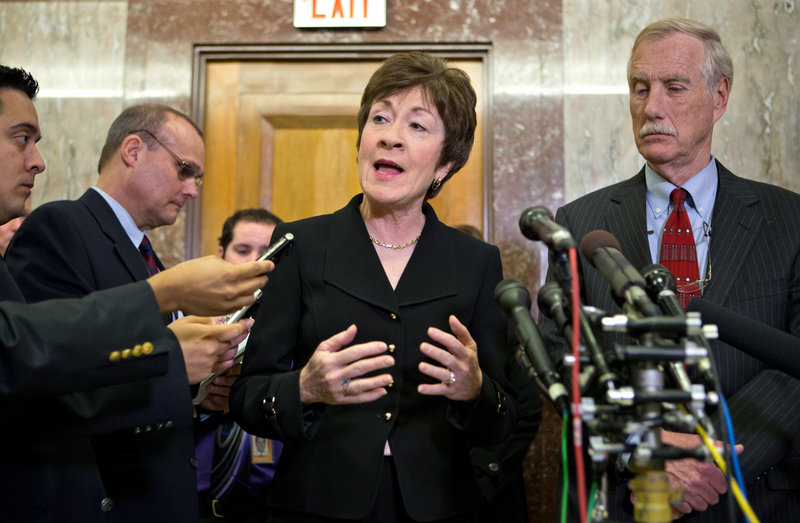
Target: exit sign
x: 339, y: 13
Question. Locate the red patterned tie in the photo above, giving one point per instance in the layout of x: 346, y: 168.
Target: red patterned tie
x: 148, y: 255
x: 678, y: 251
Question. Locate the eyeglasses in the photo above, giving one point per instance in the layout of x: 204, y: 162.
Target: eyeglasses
x: 186, y: 169
x: 697, y: 285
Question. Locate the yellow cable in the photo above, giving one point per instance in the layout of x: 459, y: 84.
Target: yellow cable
x: 737, y: 492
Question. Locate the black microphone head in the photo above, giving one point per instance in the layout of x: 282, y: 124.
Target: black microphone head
x: 596, y: 240
x: 658, y: 278
x: 529, y: 217
x: 511, y: 293
x: 550, y: 297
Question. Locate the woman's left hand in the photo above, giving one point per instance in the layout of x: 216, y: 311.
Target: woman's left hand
x: 460, y: 374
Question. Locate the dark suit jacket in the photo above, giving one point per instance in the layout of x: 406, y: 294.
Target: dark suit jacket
x: 754, y: 252
x: 499, y: 467
x: 72, y: 248
x: 42, y: 356
x: 332, y: 454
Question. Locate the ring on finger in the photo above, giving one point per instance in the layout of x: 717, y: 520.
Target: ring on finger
x: 345, y: 384
x: 451, y: 379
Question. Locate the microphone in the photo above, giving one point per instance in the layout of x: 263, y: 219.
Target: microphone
x: 660, y: 285
x: 602, y: 250
x: 515, y: 301
x: 552, y: 304
x: 773, y: 346
x: 537, y: 224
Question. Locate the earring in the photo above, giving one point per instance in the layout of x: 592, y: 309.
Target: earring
x: 437, y: 182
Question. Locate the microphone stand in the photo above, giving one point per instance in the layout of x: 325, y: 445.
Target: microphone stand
x: 605, y: 376
x: 642, y: 407
x: 638, y: 409
x: 648, y: 396
x: 650, y: 484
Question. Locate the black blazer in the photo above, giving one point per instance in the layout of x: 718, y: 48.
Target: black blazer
x: 44, y: 436
x: 71, y: 248
x: 755, y: 256
x: 42, y: 357
x: 332, y: 455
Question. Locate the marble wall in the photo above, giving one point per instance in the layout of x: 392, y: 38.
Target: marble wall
x: 561, y: 124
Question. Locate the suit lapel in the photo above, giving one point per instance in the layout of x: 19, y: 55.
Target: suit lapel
x: 109, y: 224
x: 430, y: 273
x: 626, y: 220
x: 356, y: 269
x: 735, y: 225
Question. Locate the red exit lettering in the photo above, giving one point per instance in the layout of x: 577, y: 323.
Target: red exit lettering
x: 338, y: 9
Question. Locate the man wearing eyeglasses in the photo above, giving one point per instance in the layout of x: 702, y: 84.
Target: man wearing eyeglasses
x: 150, y: 166
x: 680, y: 76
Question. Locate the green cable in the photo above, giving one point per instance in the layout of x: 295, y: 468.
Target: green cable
x: 590, y: 509
x: 565, y: 469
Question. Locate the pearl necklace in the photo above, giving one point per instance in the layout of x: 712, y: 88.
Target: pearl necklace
x: 390, y: 246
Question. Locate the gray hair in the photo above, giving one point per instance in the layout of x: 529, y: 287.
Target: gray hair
x: 718, y: 62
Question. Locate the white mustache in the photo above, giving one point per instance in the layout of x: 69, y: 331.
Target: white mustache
x: 656, y: 128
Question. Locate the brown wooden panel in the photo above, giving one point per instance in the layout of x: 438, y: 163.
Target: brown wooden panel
x: 315, y: 171
x: 249, y: 156
x: 221, y: 130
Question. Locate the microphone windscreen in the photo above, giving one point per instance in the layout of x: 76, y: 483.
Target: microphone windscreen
x: 772, y: 346
x: 659, y: 277
x: 510, y: 293
x: 597, y: 239
x: 529, y: 219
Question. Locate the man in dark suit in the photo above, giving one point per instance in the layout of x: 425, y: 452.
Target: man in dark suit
x: 72, y: 345
x: 680, y: 77
x: 151, y: 164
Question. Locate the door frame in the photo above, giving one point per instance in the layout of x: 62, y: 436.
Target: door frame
x: 206, y: 53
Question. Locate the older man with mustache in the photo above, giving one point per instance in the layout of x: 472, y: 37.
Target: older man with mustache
x: 680, y: 76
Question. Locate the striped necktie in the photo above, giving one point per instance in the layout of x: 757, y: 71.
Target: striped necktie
x: 148, y: 255
x: 678, y: 250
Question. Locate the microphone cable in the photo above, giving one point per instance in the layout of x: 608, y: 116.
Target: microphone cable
x: 734, y: 457
x: 735, y: 488
x: 577, y: 432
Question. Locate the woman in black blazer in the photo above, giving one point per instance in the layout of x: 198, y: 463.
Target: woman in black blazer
x: 377, y: 354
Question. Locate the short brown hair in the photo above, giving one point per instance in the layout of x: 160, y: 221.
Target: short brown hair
x: 134, y: 118
x: 445, y: 87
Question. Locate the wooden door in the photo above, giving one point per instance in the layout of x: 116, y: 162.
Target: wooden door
x: 280, y: 133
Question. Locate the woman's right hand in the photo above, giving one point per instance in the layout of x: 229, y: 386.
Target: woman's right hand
x: 332, y: 375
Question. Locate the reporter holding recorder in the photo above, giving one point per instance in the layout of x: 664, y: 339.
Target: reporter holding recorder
x: 150, y: 166
x: 69, y: 345
x: 377, y: 355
